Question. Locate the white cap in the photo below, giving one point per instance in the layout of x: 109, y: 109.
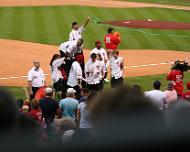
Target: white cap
x: 48, y: 90
x: 71, y: 91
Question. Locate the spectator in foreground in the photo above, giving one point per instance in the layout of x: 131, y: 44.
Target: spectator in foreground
x: 83, y: 114
x: 156, y: 96
x: 84, y: 94
x: 186, y: 95
x: 69, y: 105
x: 170, y: 94
x: 49, y: 107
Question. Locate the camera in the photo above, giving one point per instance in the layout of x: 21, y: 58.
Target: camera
x: 181, y: 65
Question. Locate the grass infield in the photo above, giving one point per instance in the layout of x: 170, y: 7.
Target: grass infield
x: 144, y: 81
x: 168, y: 2
x: 51, y: 25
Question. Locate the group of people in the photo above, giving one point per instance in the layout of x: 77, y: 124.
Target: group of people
x: 78, y: 84
x: 68, y: 67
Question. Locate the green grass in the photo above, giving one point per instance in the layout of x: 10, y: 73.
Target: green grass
x: 51, y: 25
x: 144, y: 81
x: 18, y: 92
x: 169, y: 2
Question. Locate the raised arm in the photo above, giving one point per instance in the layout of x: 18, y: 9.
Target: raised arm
x: 86, y: 22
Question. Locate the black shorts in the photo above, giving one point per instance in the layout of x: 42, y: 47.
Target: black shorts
x: 115, y: 83
x: 60, y: 85
x: 95, y: 87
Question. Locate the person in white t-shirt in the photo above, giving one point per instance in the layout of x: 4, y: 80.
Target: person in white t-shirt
x: 75, y: 35
x: 99, y: 50
x: 36, y: 79
x: 92, y: 73
x: 117, y: 69
x: 75, y: 77
x: 77, y: 30
x: 157, y: 96
x: 70, y: 48
x: 102, y: 70
x: 59, y: 80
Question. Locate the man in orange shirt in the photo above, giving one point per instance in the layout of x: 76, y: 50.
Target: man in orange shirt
x: 111, y: 41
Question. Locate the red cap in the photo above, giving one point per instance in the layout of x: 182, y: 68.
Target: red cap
x: 98, y: 42
x: 188, y: 85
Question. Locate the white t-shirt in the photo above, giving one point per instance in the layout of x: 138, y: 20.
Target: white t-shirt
x: 92, y: 70
x: 158, y: 97
x: 102, y: 69
x: 74, y: 74
x: 116, y: 70
x: 56, y: 73
x: 70, y: 47
x: 102, y: 52
x: 37, y: 77
x: 75, y: 35
x: 84, y: 116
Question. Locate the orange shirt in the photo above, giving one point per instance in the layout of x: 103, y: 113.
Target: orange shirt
x: 111, y: 41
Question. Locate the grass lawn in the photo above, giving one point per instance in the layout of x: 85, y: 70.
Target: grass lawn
x: 51, y: 25
x: 172, y: 2
x: 144, y: 81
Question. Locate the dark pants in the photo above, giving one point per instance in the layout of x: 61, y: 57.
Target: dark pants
x: 34, y: 90
x: 60, y: 85
x: 95, y: 87
x: 115, y: 83
x: 101, y: 85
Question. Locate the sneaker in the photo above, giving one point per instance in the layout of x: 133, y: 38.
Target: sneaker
x: 106, y: 80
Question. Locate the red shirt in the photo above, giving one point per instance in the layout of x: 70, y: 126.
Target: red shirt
x: 186, y: 95
x: 36, y: 114
x: 111, y: 41
x: 177, y: 77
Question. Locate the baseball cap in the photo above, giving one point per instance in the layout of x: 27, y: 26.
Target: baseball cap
x: 98, y: 42
x: 48, y: 90
x: 25, y: 107
x: 71, y: 91
x: 188, y: 85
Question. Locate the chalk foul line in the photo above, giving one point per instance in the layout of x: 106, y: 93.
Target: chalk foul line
x: 126, y: 67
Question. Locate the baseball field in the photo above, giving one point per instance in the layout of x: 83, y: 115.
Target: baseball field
x: 34, y: 29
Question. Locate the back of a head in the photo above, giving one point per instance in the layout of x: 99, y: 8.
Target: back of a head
x: 120, y: 101
x: 80, y: 42
x: 70, y: 92
x: 8, y: 110
x: 110, y: 29
x: 93, y: 56
x: 157, y: 85
x: 170, y: 86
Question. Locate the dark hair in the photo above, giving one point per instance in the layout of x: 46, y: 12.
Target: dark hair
x: 34, y: 104
x: 53, y: 58
x: 99, y: 56
x: 120, y: 101
x: 110, y: 29
x: 85, y: 90
x: 157, y: 85
x: 93, y: 55
x: 74, y: 23
x: 91, y: 98
x: 8, y: 110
